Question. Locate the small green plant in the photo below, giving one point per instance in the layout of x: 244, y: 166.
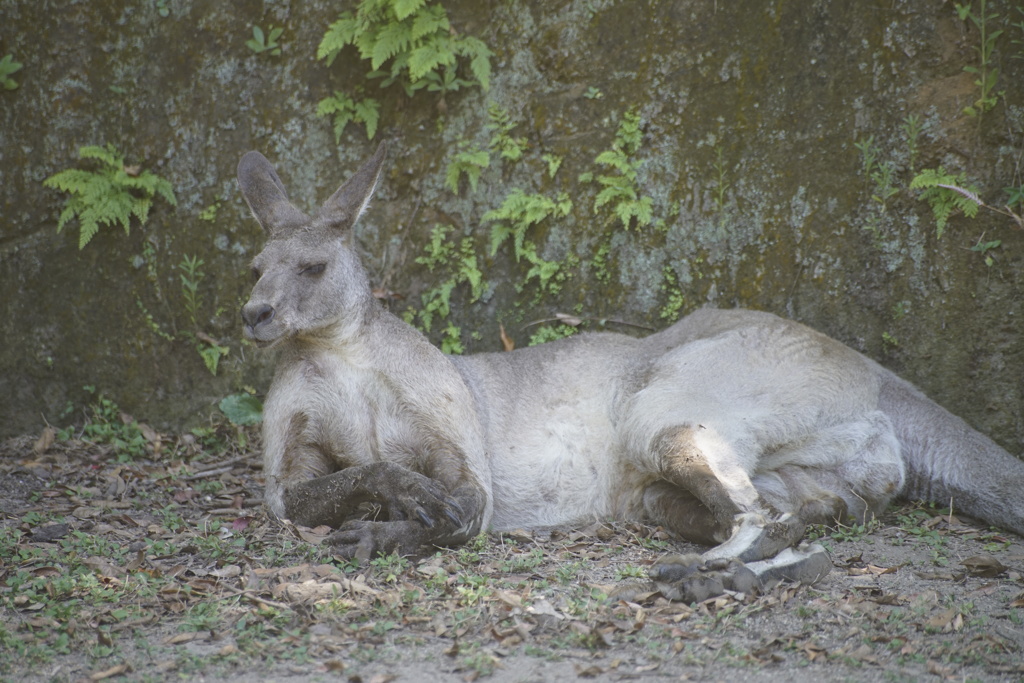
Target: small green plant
x: 986, y: 72
x: 192, y: 276
x: 881, y: 174
x: 912, y: 127
x: 619, y: 188
x: 502, y: 141
x: 554, y: 162
x: 460, y: 265
x: 675, y: 300
x: 853, y: 532
x: 514, y: 218
x: 265, y: 42
x: 346, y: 109
x: 1019, y: 41
x: 108, y: 425
x: 983, y: 248
x: 389, y: 567
x: 112, y: 195
x: 242, y: 409
x: 1015, y: 201
x: 630, y: 571
x: 946, y: 193
x: 593, y: 93
x: 518, y: 213
x: 209, y: 214
x: 416, y: 38
x: 546, y: 333
x: 7, y: 67
x: 470, y: 161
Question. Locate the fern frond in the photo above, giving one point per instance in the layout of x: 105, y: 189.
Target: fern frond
x: 479, y: 59
x: 428, y: 57
x: 341, y: 33
x: 108, y: 155
x: 433, y: 20
x: 406, y: 8
x: 388, y: 42
x: 109, y: 196
x: 946, y: 193
x: 368, y: 111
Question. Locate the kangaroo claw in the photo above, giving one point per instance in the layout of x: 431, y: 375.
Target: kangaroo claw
x: 454, y: 518
x: 424, y: 518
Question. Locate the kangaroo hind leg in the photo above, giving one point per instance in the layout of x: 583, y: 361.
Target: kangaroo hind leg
x: 705, y: 495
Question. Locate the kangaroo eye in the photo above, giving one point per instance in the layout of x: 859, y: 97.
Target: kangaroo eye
x: 313, y: 269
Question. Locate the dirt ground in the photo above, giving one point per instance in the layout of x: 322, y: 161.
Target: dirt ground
x: 153, y: 560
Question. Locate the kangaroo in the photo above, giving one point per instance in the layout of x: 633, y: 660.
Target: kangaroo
x: 731, y: 428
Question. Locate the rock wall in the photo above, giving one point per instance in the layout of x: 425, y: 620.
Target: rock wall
x: 753, y: 119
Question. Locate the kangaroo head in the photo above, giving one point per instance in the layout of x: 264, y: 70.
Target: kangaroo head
x: 309, y: 281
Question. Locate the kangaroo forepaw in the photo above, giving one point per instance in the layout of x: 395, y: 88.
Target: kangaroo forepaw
x: 362, y: 539
x: 693, y: 578
x: 427, y: 501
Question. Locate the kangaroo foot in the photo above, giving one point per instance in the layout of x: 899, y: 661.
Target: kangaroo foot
x: 755, y: 537
x: 692, y: 578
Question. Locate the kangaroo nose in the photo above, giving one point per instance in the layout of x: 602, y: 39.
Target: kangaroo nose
x: 255, y: 315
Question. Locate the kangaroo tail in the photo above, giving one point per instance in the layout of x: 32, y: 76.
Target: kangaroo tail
x: 949, y: 462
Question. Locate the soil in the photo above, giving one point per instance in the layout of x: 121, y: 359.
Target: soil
x: 165, y: 566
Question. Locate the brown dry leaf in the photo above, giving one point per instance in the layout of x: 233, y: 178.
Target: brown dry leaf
x: 591, y: 671
x: 510, y: 599
x: 984, y: 565
x: 942, y: 621
x: 150, y: 434
x: 103, y: 566
x: 314, y: 536
x: 937, y: 669
x: 506, y: 342
x: 112, y: 671
x: 228, y: 571
x: 814, y: 652
x: 45, y: 440
x: 183, y: 638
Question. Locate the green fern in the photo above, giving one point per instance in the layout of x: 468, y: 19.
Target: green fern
x: 946, y: 193
x: 346, y: 110
x: 514, y: 218
x: 417, y: 40
x: 469, y: 161
x: 518, y: 213
x: 461, y: 267
x: 619, y: 187
x: 508, y: 147
x: 109, y: 196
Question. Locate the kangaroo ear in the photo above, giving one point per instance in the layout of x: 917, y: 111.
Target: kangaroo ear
x: 349, y: 202
x: 265, y: 194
